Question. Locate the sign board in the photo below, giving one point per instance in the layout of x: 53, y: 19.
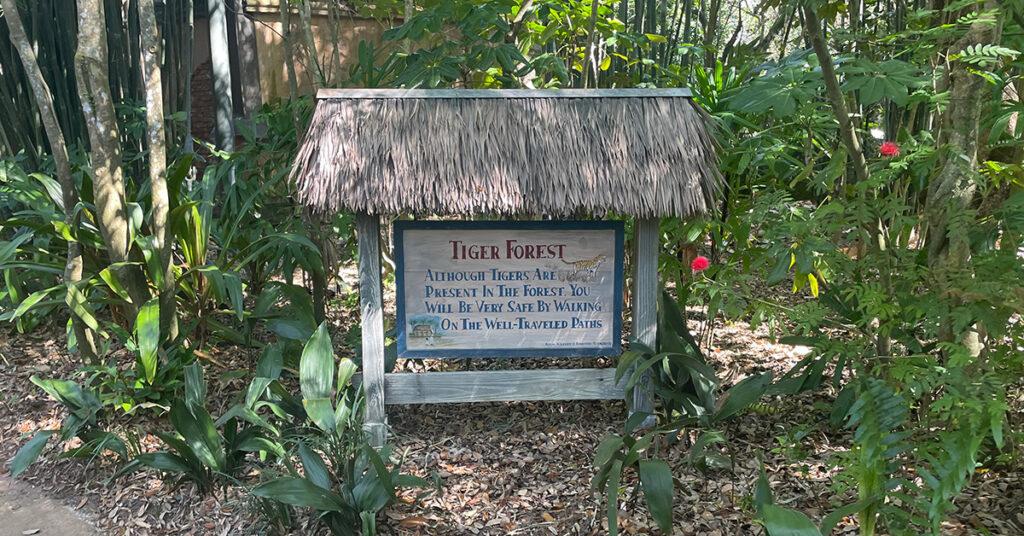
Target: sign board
x: 509, y: 288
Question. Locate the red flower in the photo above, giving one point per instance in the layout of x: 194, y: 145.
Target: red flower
x: 889, y: 149
x: 700, y: 264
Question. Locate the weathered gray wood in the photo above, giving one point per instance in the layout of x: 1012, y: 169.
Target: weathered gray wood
x: 334, y: 93
x: 645, y: 305
x: 372, y: 318
x: 502, y: 385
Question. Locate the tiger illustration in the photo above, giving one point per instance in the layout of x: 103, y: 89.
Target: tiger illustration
x: 583, y: 269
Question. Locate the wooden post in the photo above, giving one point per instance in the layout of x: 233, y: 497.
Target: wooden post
x: 645, y: 307
x: 372, y: 318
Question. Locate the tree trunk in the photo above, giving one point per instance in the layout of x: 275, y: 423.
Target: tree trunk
x: 710, y: 31
x: 588, y: 53
x: 44, y: 101
x: 190, y: 42
x: 157, y: 139
x: 289, y: 59
x: 311, y: 54
x: 105, y: 139
x: 953, y: 189
x: 812, y: 27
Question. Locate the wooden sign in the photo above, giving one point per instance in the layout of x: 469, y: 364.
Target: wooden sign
x: 509, y: 288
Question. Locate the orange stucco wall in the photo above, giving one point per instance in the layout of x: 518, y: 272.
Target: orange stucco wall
x: 270, y: 50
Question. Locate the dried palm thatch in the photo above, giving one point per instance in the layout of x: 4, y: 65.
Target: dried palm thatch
x: 643, y: 153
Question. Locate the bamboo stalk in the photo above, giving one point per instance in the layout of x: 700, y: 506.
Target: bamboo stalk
x: 157, y: 140
x: 73, y: 265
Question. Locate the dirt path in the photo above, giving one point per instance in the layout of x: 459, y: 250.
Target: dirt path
x: 24, y: 510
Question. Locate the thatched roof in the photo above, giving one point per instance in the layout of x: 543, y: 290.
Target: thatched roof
x: 639, y: 152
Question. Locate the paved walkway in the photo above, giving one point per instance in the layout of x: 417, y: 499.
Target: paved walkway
x: 26, y: 511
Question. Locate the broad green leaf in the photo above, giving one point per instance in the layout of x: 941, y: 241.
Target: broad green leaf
x: 316, y: 367
x: 195, y: 386
x: 321, y: 412
x: 996, y: 424
x: 256, y: 388
x: 341, y: 413
x: 656, y: 483
x: 614, y: 474
x: 742, y: 395
x: 32, y: 300
x: 296, y: 329
x: 300, y: 492
x: 81, y: 402
x: 199, y: 433
x: 110, y: 278
x: 606, y: 450
x: 837, y: 515
x: 763, y: 491
x: 164, y: 461
x: 79, y: 305
x: 377, y: 460
x: 147, y: 335
x: 7, y: 249
x: 271, y: 362
x: 316, y: 469
x: 779, y: 521
x: 781, y: 269
x: 638, y: 371
x: 262, y: 444
x: 29, y: 452
x: 346, y: 369
x: 240, y: 411
x: 234, y: 289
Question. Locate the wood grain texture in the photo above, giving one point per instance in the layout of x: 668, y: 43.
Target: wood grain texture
x: 502, y: 385
x: 372, y: 319
x: 328, y: 93
x: 645, y: 305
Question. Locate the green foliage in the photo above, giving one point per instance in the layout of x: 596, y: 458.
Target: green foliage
x: 683, y: 381
x: 348, y: 493
x: 877, y: 418
x: 201, y: 450
x: 82, y: 421
x: 355, y: 483
x: 617, y: 454
x: 331, y: 413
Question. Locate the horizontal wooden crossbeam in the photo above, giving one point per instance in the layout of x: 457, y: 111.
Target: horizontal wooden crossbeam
x: 501, y: 386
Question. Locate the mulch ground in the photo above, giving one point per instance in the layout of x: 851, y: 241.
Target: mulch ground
x: 508, y: 468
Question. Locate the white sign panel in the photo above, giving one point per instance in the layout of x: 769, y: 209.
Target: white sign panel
x: 509, y: 289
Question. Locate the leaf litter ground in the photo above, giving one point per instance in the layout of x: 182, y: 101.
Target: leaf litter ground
x: 505, y: 468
